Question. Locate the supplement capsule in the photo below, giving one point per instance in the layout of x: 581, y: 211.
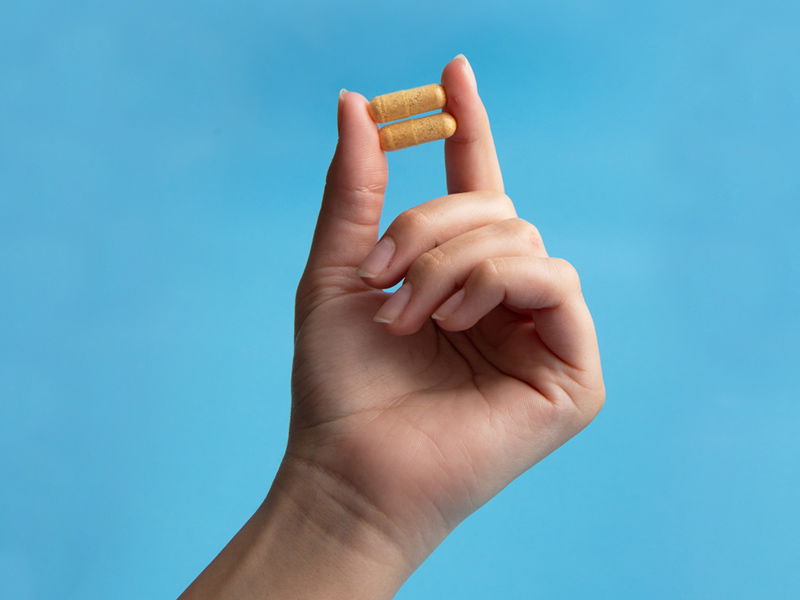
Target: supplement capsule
x: 417, y: 131
x: 402, y: 104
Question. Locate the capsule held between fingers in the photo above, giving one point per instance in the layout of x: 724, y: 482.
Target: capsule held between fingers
x: 402, y: 104
x: 417, y: 131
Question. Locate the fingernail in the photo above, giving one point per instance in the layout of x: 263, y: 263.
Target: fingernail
x: 449, y: 306
x: 342, y: 92
x: 378, y: 258
x: 392, y: 308
x: 470, y: 72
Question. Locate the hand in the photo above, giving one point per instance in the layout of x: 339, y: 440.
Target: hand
x: 421, y: 420
x: 401, y: 428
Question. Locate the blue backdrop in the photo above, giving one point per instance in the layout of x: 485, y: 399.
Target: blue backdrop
x: 161, y: 165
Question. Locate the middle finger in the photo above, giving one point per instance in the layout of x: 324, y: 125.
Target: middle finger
x: 437, y: 273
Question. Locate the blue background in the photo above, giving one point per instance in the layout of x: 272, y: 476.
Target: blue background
x: 160, y: 172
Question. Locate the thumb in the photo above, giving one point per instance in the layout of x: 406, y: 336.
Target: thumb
x: 349, y: 218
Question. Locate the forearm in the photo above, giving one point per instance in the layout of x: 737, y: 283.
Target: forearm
x: 311, y: 538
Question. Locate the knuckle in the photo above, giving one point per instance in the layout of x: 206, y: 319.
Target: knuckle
x: 486, y: 272
x: 507, y: 204
x: 590, y: 406
x: 411, y: 221
x: 567, y: 273
x: 598, y: 402
x: 527, y: 231
x: 428, y: 264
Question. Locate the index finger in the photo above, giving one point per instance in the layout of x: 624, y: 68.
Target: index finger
x: 470, y: 157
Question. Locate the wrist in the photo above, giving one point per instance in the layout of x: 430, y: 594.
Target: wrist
x: 312, y: 537
x: 324, y: 527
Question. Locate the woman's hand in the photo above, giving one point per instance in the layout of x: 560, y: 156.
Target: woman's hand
x: 424, y: 419
x: 481, y: 364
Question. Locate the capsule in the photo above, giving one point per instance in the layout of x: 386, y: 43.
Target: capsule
x: 417, y: 131
x: 402, y: 104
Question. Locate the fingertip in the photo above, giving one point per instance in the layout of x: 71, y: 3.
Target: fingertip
x: 346, y: 95
x: 356, y: 127
x: 348, y: 104
x: 463, y: 100
x: 402, y: 329
x: 460, y: 68
x: 448, y: 325
x: 377, y: 282
x: 459, y: 82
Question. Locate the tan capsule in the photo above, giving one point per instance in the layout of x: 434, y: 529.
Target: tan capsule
x: 417, y: 131
x: 402, y: 104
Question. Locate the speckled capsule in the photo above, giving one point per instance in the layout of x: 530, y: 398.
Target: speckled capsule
x: 402, y: 104
x: 417, y: 131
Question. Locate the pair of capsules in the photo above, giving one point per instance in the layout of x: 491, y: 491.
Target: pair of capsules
x: 402, y: 104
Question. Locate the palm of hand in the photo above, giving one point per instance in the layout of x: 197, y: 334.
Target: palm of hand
x: 425, y: 427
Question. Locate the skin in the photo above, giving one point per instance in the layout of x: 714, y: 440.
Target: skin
x: 404, y: 425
